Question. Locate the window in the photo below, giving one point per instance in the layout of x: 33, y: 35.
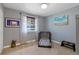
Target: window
x: 31, y: 23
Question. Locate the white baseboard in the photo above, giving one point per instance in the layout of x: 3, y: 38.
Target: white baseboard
x: 10, y: 45
x: 30, y: 42
x: 6, y: 46
x: 19, y: 43
x: 56, y: 42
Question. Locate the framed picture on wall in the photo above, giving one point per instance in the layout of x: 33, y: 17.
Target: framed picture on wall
x: 60, y: 20
x: 12, y: 22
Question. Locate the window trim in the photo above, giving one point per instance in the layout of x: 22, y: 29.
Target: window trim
x: 35, y: 29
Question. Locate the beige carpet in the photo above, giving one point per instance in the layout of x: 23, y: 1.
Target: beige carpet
x: 33, y: 49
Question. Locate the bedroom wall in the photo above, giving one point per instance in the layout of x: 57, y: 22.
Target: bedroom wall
x: 1, y: 27
x: 17, y: 33
x: 10, y: 33
x: 66, y: 32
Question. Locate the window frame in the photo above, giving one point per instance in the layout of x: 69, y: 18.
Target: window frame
x: 35, y: 24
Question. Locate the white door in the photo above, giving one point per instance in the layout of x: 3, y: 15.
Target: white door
x: 1, y: 34
x: 77, y: 34
x: 1, y: 28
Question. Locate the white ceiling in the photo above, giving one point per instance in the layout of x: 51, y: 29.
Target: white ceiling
x: 34, y: 8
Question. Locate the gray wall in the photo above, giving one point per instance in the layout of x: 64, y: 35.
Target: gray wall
x: 10, y: 33
x: 17, y: 33
x: 25, y: 36
x: 67, y: 32
x: 1, y: 28
x: 41, y: 24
